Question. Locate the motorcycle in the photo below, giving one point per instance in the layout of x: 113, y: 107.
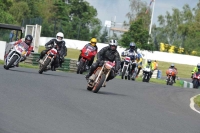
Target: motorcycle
x: 86, y: 56
x: 196, y: 80
x: 48, y: 59
x: 134, y: 71
x: 126, y: 68
x: 15, y: 55
x: 98, y: 78
x: 146, y: 74
x: 170, y: 74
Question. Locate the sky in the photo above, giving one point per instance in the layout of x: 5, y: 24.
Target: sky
x: 108, y: 9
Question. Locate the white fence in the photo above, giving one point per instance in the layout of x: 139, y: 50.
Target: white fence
x: 2, y: 49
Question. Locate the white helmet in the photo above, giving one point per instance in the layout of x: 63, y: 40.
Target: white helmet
x: 113, y: 42
x: 61, y: 35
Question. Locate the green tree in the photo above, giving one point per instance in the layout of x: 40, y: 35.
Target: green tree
x: 138, y: 34
x: 6, y: 17
x: 104, y: 35
x: 20, y: 13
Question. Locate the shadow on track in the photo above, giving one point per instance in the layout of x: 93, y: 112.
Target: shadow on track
x: 15, y: 70
x: 65, y: 76
x: 103, y: 93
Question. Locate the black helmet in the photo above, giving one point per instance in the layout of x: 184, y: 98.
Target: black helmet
x: 132, y: 46
x: 172, y: 66
x: 198, y: 65
x: 28, y: 39
x: 148, y: 61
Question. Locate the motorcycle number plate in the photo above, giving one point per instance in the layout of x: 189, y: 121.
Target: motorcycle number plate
x: 127, y: 59
x: 20, y: 49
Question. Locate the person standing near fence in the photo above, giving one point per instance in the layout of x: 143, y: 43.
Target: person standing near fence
x: 11, y: 36
x: 155, y: 65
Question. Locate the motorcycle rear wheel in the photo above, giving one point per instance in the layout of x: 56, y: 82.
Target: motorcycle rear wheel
x: 80, y: 67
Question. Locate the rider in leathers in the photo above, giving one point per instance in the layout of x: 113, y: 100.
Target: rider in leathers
x: 131, y: 52
x: 108, y: 53
x: 62, y: 49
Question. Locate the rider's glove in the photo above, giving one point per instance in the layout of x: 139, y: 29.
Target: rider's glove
x: 100, y: 62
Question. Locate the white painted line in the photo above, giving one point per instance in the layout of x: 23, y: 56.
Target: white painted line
x: 192, y: 104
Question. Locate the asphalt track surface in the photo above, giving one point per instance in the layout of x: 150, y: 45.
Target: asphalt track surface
x: 58, y: 102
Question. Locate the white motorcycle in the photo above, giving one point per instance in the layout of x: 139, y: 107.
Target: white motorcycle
x: 146, y: 74
x: 134, y: 71
x: 126, y: 68
x: 16, y: 54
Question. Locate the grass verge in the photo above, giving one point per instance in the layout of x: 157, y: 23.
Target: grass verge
x: 197, y: 100
x: 184, y: 71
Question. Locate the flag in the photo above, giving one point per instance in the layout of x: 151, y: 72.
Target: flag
x: 149, y: 6
x: 151, y: 2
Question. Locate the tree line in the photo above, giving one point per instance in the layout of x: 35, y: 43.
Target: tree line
x: 77, y: 19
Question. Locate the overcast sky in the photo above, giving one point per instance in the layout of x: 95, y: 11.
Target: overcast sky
x: 107, y: 9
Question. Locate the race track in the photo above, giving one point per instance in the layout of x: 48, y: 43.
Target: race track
x: 58, y: 102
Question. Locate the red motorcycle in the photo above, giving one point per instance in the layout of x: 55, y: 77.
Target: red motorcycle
x: 87, y: 54
x: 196, y: 80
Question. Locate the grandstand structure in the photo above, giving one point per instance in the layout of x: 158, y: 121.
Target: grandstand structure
x: 119, y: 27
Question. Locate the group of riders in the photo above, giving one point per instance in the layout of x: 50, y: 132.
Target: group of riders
x: 108, y: 53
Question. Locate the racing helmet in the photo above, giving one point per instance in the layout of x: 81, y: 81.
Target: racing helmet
x: 59, y: 36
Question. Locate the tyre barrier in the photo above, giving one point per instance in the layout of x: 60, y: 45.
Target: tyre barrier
x: 187, y: 84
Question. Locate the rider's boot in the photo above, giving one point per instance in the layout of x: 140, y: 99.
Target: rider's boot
x: 77, y: 63
x: 104, y: 85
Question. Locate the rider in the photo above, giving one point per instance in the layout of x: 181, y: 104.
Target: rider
x: 131, y: 52
x: 91, y: 45
x: 28, y: 40
x: 108, y: 53
x: 196, y: 69
x: 62, y: 49
x: 175, y: 70
x: 150, y: 64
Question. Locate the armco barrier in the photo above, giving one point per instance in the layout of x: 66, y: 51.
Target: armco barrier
x: 68, y: 65
x: 187, y: 84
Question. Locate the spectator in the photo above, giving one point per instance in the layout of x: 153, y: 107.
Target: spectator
x: 11, y: 36
x: 155, y: 65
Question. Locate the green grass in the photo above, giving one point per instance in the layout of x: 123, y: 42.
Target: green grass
x: 197, y: 100
x: 184, y: 71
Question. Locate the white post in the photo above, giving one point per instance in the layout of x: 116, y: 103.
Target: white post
x: 154, y: 1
